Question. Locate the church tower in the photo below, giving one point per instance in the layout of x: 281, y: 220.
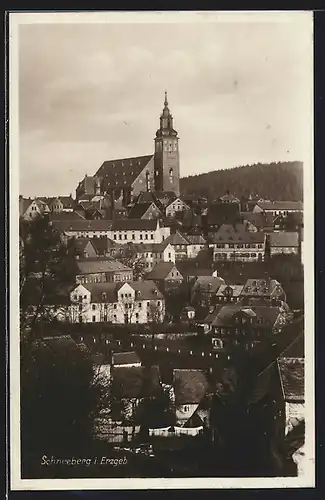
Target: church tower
x: 166, y: 154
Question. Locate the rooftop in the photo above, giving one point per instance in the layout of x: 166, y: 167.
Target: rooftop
x: 280, y: 205
x: 90, y: 266
x: 121, y: 172
x: 162, y: 270
x: 125, y: 358
x: 284, y: 239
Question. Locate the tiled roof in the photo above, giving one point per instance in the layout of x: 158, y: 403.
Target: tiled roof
x: 98, y: 289
x: 145, y: 290
x: 207, y: 284
x: 135, y: 381
x: 66, y: 216
x: 280, y: 205
x: 121, y: 172
x: 150, y: 247
x: 138, y: 210
x: 165, y: 197
x: 236, y: 290
x: 161, y: 271
x: 284, y: 239
x: 83, y: 225
x: 135, y: 224
x: 100, y: 266
x: 226, y: 315
x: 292, y: 373
x: 259, y: 220
x: 195, y: 239
x: 190, y: 386
x: 79, y: 244
x: 177, y: 239
x: 261, y: 287
x: 229, y: 198
x: 212, y: 315
x: 237, y: 233
x: 24, y: 203
x: 67, y: 201
x: 220, y: 213
x: 102, y: 245
x: 125, y: 358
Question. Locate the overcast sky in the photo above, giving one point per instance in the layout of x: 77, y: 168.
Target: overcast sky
x: 92, y: 92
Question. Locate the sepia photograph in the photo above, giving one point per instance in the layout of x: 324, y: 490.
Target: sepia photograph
x: 161, y: 250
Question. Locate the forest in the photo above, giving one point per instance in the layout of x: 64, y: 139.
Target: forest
x: 272, y: 181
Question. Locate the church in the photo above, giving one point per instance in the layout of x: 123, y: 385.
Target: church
x: 122, y: 180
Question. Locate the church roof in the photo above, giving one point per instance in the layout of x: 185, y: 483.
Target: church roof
x: 122, y: 172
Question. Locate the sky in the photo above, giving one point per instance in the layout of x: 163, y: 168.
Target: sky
x: 239, y: 93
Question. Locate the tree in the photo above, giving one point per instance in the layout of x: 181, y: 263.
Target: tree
x: 129, y: 257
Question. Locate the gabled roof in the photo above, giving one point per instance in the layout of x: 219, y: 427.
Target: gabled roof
x: 162, y: 270
x: 177, y: 239
x: 134, y: 224
x: 280, y: 205
x: 122, y: 171
x: 228, y: 197
x: 237, y: 233
x: 80, y: 244
x: 144, y: 290
x: 259, y: 219
x: 150, y: 247
x: 24, y: 203
x: 67, y: 201
x: 90, y: 266
x: 190, y: 386
x: 125, y: 358
x: 139, y: 210
x: 83, y: 225
x: 98, y: 289
x: 177, y: 200
x: 66, y: 216
x: 102, y: 245
x: 284, y: 239
x: 195, y: 239
x: 207, y: 284
x: 261, y: 287
x: 292, y: 377
x: 227, y: 314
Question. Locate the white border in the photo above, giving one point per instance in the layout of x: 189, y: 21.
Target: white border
x: 308, y: 480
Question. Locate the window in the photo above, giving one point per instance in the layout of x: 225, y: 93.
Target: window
x: 151, y: 237
x: 80, y: 297
x: 158, y: 303
x: 186, y: 408
x: 93, y: 307
x: 136, y: 315
x: 114, y: 236
x: 94, y: 319
x: 80, y: 307
x: 80, y: 319
x: 114, y: 316
x: 140, y: 305
x: 125, y: 236
x: 148, y: 304
x: 146, y: 237
x: 140, y: 236
x: 105, y: 306
x: 119, y: 236
x: 133, y: 236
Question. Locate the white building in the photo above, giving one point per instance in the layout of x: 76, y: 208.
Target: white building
x: 278, y: 207
x: 119, y: 303
x: 175, y: 206
x: 153, y: 253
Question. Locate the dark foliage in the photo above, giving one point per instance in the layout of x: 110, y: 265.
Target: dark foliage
x: 274, y: 181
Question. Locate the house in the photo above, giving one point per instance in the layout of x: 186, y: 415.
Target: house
x: 270, y: 290
x: 139, y: 230
x: 246, y: 325
x: 153, y: 253
x: 196, y: 244
x: 106, y: 247
x: 180, y: 243
x: 294, y: 221
x: 166, y: 275
x: 119, y: 303
x: 62, y: 204
x: 291, y: 373
x: 83, y: 228
x: 228, y: 294
x: 191, y: 273
x: 236, y: 243
x: 229, y: 198
x: 190, y: 388
x: 278, y: 207
x: 29, y: 209
x: 125, y: 359
x: 132, y: 386
x: 145, y: 211
x: 219, y: 213
x: 84, y: 248
x: 283, y: 243
x: 261, y: 221
x: 204, y: 290
x: 177, y: 205
x: 101, y: 271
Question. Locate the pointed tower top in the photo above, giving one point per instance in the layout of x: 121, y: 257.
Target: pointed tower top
x: 166, y: 101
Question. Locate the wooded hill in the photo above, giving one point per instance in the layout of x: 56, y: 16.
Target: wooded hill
x: 273, y: 181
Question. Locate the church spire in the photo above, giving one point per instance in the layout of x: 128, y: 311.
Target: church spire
x: 166, y: 100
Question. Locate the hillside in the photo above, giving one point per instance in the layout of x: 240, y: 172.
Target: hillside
x: 273, y: 181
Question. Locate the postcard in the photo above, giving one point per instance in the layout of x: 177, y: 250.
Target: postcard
x: 161, y: 250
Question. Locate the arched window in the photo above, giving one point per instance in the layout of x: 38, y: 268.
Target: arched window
x: 171, y: 175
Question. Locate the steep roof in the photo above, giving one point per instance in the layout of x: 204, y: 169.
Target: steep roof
x: 195, y: 239
x: 190, y: 386
x: 67, y: 201
x: 80, y: 244
x: 280, y: 205
x: 237, y: 233
x: 100, y: 266
x: 259, y: 219
x: 125, y: 358
x: 284, y: 239
x: 145, y: 289
x: 228, y: 197
x: 261, y: 287
x: 177, y: 239
x: 161, y: 271
x: 98, y: 289
x: 139, y: 210
x: 226, y: 315
x: 66, y: 216
x: 292, y: 377
x: 102, y: 245
x: 150, y: 247
x: 207, y: 283
x: 121, y: 172
x: 134, y: 224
